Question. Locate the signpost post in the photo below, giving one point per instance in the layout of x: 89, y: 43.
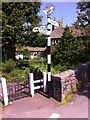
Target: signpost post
x: 48, y: 11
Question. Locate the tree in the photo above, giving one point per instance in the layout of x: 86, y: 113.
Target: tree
x: 83, y: 21
x: 67, y: 51
x: 18, y: 19
x: 83, y: 17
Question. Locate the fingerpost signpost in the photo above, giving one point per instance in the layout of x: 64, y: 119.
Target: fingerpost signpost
x: 48, y: 11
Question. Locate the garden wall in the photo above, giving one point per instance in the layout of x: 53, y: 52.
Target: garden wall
x: 65, y: 82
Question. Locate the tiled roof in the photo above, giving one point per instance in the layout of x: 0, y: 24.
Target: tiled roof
x: 34, y: 49
x: 58, y: 32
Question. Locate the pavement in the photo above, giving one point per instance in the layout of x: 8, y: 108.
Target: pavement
x: 41, y: 107
x: 0, y: 102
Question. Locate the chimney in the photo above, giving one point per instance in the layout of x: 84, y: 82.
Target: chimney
x: 60, y: 22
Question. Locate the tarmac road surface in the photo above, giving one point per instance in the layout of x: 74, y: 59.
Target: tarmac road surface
x: 42, y: 107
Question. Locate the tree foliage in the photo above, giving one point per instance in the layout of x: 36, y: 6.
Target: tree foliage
x: 83, y: 17
x: 18, y: 20
x: 68, y: 50
x: 83, y: 20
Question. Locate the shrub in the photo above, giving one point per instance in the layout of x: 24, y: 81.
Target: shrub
x: 22, y: 64
x: 19, y: 75
x: 40, y: 63
x: 58, y: 68
x: 8, y: 66
x: 36, y: 71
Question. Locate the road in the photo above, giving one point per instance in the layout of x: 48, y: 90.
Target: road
x: 42, y: 107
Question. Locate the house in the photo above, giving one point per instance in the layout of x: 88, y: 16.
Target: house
x: 58, y: 32
x: 35, y: 51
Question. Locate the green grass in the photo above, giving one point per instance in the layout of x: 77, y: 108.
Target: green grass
x: 70, y: 95
x: 67, y: 98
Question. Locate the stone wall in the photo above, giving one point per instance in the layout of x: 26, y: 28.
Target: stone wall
x: 65, y: 82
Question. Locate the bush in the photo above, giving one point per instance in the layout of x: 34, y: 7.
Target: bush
x: 59, y: 68
x: 40, y: 63
x: 37, y: 72
x: 19, y: 75
x: 8, y: 66
x: 22, y: 64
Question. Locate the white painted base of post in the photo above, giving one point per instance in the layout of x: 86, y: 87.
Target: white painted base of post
x: 44, y: 82
x: 31, y: 84
x: 4, y: 91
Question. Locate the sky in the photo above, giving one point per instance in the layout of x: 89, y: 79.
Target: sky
x: 63, y: 10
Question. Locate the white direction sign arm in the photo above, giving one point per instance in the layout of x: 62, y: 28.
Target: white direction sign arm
x: 35, y: 29
x: 53, y: 22
x: 41, y: 29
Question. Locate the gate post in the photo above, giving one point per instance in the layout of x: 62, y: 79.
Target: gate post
x: 4, y: 90
x: 44, y: 81
x: 31, y: 84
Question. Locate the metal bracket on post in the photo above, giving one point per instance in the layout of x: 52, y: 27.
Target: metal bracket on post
x: 4, y: 91
x: 31, y: 84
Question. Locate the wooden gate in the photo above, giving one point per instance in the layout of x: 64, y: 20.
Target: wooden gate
x: 18, y: 91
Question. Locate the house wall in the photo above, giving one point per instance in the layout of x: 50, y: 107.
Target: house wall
x: 66, y: 82
x: 41, y: 53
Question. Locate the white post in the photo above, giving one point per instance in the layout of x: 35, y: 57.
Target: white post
x: 44, y: 81
x: 31, y: 84
x: 4, y: 91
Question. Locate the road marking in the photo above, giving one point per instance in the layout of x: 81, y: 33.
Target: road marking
x: 55, y: 116
x: 71, y: 103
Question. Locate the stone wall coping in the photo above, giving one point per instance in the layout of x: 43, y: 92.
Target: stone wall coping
x: 65, y: 74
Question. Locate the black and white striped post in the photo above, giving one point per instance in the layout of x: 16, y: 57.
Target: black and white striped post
x: 48, y: 56
x: 48, y: 11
